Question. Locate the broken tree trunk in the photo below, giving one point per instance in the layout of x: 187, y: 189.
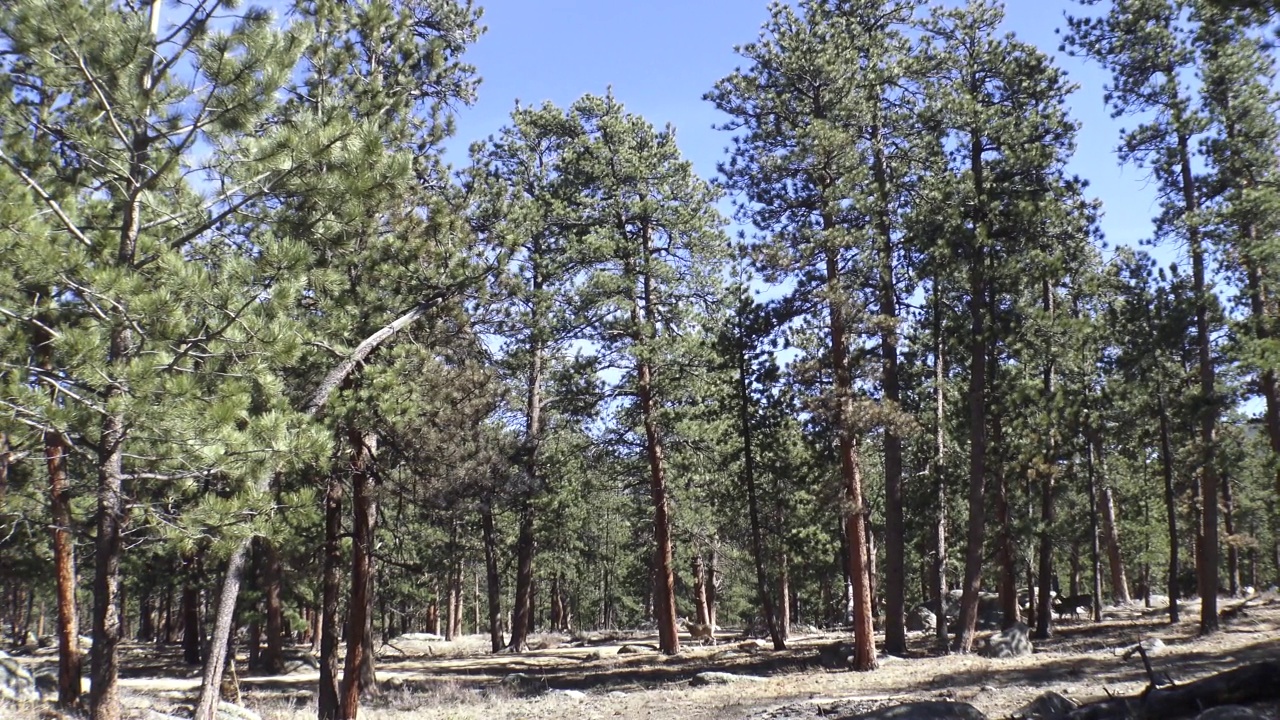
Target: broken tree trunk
x: 1243, y: 685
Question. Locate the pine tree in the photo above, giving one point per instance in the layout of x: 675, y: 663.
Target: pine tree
x: 1147, y: 45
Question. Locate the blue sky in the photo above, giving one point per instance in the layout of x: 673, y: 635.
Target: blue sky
x: 660, y: 56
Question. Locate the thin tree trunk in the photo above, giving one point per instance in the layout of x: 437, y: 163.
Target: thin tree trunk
x: 492, y: 577
x: 1044, y: 608
x: 1005, y: 555
x: 364, y: 506
x: 1170, y: 503
x: 700, y: 589
x: 1095, y: 555
x: 713, y: 582
x: 1119, y: 583
x: 939, y: 472
x: 977, y: 459
x: 327, y: 696
x: 211, y: 681
x: 753, y: 499
x: 1233, y: 552
x: 783, y: 623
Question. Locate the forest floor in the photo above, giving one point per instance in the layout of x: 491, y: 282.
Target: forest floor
x: 462, y: 681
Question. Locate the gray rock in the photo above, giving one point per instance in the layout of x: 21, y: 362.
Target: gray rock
x: 635, y: 649
x: 1048, y: 706
x: 1152, y: 644
x: 721, y: 678
x: 922, y: 619
x: 926, y: 710
x: 1230, y: 712
x: 17, y: 684
x: 227, y: 711
x: 1013, y: 642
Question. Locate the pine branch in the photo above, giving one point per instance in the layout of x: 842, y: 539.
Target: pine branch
x: 48, y: 200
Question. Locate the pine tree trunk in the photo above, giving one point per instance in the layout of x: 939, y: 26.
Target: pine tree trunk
x: 700, y: 590
x: 1119, y: 583
x: 1233, y: 552
x: 864, y: 657
x: 1170, y: 503
x: 1095, y: 555
x: 1006, y: 558
x: 211, y: 680
x: 191, y: 612
x: 522, y: 606
x: 492, y: 578
x: 713, y: 582
x: 977, y: 456
x: 1044, y: 608
x: 364, y: 507
x: 1207, y: 556
x: 783, y: 622
x: 940, y: 473
x: 146, y: 614
x: 55, y: 451
x: 331, y: 580
x: 273, y: 658
x: 664, y: 592
x: 895, y: 628
x: 763, y: 591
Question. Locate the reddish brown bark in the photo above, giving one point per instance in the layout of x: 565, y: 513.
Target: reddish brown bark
x: 364, y: 503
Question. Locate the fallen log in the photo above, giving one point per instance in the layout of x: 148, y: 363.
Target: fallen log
x: 1241, y: 686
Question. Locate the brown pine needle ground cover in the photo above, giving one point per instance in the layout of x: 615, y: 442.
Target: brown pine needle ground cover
x: 461, y: 680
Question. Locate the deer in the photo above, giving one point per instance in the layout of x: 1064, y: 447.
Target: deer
x: 698, y: 631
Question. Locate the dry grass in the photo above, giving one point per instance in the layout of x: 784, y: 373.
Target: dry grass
x: 463, y: 681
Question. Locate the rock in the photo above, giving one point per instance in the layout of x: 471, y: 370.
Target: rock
x: 1046, y: 707
x: 1014, y: 642
x: 926, y: 710
x: 572, y: 694
x: 16, y: 682
x: 227, y: 711
x: 922, y: 619
x: 1230, y: 712
x: 1152, y: 644
x: 630, y: 649
x: 721, y: 678
x: 47, y: 683
x: 524, y: 683
x: 617, y: 693
x: 301, y: 663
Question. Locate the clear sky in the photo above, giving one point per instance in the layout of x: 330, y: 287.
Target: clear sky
x: 660, y: 56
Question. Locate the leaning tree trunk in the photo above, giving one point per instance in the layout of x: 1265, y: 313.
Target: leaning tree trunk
x: 327, y: 696
x: 364, y: 505
x: 211, y: 680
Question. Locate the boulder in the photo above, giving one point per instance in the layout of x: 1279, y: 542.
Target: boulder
x: 1013, y: 642
x: 926, y: 710
x: 1048, y: 706
x: 17, y: 684
x: 721, y: 678
x: 922, y: 619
